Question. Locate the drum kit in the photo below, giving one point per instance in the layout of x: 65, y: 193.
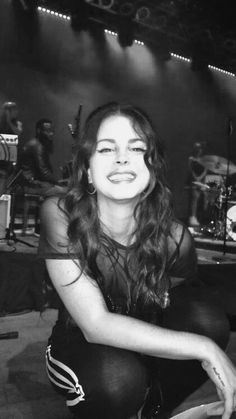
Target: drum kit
x: 221, y: 197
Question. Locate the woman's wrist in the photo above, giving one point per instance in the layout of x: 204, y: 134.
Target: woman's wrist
x: 209, y: 351
x: 204, y: 348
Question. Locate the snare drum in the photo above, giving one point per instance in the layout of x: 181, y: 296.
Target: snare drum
x: 231, y: 220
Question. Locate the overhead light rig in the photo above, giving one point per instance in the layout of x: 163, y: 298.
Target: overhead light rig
x: 173, y: 24
x: 132, y: 20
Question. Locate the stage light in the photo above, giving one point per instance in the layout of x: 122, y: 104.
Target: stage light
x: 107, y: 31
x: 53, y: 13
x: 180, y: 57
x: 136, y: 41
x: 228, y: 73
x: 115, y: 34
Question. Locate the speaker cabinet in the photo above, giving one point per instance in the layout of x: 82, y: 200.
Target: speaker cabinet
x: 5, y: 204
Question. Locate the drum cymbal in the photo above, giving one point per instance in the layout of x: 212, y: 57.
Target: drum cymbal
x: 217, y: 164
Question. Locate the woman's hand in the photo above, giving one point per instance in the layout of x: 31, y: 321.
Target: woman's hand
x: 223, y: 374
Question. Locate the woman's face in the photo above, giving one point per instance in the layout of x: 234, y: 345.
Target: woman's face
x: 117, y: 168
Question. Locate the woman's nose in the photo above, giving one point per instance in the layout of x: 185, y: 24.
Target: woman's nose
x: 122, y: 157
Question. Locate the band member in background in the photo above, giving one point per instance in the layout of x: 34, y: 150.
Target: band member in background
x: 135, y: 331
x: 35, y: 162
x: 9, y: 122
x: 196, y: 181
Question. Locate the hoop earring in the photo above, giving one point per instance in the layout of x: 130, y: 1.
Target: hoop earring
x: 93, y: 191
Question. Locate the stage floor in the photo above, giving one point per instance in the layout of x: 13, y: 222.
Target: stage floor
x: 23, y: 244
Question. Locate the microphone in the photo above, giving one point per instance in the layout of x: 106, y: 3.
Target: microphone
x: 74, y: 130
x: 70, y: 127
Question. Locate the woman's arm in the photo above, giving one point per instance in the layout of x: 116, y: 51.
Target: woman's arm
x: 85, y: 303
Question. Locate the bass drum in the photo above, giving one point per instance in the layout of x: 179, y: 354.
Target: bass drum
x: 231, y: 220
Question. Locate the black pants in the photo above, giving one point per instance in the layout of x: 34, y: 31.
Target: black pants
x: 103, y: 382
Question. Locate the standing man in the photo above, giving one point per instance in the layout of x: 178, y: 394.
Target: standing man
x: 35, y: 159
x: 197, y: 175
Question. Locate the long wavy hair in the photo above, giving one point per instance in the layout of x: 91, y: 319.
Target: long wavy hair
x: 153, y: 213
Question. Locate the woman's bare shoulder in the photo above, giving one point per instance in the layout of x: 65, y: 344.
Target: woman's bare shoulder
x: 53, y: 208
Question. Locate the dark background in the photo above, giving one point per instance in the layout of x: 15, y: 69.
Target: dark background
x: 49, y: 69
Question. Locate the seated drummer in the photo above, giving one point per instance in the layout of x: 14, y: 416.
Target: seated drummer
x: 197, y: 175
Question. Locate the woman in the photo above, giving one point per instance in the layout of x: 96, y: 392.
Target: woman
x: 116, y: 256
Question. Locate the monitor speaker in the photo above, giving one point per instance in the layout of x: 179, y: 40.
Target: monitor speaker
x: 5, y: 204
x: 8, y: 147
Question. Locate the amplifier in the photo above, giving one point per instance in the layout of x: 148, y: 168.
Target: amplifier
x: 5, y: 205
x: 8, y: 147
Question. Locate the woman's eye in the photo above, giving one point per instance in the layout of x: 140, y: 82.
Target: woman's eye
x: 138, y: 149
x: 105, y: 150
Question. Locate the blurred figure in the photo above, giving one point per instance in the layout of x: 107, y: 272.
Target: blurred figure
x: 35, y: 162
x: 196, y: 181
x: 9, y: 122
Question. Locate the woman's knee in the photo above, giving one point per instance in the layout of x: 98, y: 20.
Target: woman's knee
x: 116, y: 384
x: 123, y: 378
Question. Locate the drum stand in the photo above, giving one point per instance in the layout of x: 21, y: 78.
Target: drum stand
x: 223, y: 258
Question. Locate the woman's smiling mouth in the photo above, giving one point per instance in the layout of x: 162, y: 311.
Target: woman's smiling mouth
x: 116, y: 177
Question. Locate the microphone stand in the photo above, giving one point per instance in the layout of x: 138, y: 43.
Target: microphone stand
x: 75, y: 130
x: 10, y: 233
x: 223, y: 257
